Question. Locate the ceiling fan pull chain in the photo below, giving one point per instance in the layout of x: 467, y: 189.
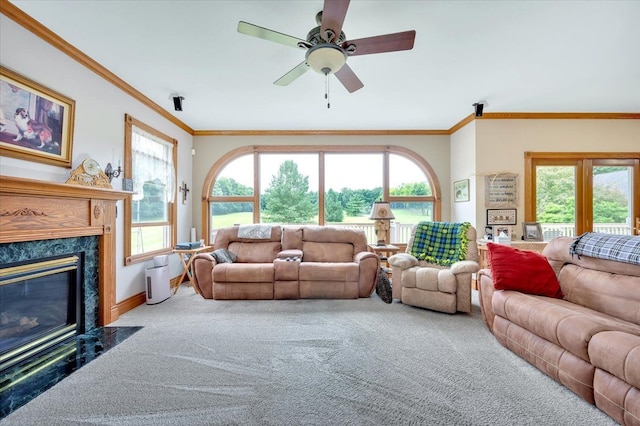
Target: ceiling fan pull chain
x: 326, y: 88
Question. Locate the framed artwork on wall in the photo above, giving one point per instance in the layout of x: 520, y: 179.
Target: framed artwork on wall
x: 531, y: 231
x: 501, y: 190
x: 461, y: 190
x: 502, y: 217
x: 36, y: 123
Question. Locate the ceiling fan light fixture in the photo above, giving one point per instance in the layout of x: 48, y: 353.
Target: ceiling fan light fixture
x: 323, y: 57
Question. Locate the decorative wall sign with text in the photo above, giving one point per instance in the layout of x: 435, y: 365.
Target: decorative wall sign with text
x: 501, y: 190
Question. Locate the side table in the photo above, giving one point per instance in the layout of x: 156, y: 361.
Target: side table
x: 186, y: 264
x: 383, y: 251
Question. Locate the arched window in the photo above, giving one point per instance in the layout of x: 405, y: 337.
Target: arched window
x: 334, y: 185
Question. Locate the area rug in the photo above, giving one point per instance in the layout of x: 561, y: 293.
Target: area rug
x: 306, y: 362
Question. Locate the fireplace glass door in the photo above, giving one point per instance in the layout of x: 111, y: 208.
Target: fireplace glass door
x: 40, y: 306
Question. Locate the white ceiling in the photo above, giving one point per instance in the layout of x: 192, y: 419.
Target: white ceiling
x: 520, y: 56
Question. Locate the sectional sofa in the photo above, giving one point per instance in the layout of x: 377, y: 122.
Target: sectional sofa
x: 287, y: 262
x: 586, y: 335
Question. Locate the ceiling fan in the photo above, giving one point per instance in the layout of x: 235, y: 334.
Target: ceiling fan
x: 328, y: 48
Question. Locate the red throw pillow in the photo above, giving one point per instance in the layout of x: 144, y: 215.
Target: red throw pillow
x: 524, y: 271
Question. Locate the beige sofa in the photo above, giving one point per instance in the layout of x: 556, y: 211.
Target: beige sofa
x: 589, y: 340
x: 294, y: 262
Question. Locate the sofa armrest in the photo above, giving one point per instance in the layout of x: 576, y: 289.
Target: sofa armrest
x: 485, y: 295
x: 465, y: 266
x: 368, y: 266
x: 202, y: 268
x: 403, y: 261
x: 359, y: 257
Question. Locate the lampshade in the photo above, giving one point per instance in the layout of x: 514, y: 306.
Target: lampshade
x: 326, y: 58
x: 381, y: 210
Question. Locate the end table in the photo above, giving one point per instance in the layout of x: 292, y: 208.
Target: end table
x: 186, y: 265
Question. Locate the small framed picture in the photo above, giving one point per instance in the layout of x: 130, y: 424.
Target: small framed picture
x: 461, y: 190
x: 499, y: 229
x: 531, y: 231
x: 502, y: 217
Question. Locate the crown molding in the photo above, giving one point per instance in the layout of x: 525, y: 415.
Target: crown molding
x: 21, y: 18
x: 545, y: 116
x: 559, y: 116
x: 320, y: 132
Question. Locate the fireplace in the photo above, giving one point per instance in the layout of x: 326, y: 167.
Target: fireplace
x: 40, y: 305
x: 49, y: 221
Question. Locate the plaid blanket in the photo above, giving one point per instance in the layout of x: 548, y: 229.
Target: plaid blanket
x: 621, y: 248
x: 441, y: 243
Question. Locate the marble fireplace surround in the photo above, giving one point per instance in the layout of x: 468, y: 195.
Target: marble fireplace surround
x: 33, y: 210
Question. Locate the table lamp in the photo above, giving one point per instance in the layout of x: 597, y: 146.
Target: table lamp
x: 381, y: 213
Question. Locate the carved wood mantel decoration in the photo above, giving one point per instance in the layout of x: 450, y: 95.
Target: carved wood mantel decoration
x: 33, y: 210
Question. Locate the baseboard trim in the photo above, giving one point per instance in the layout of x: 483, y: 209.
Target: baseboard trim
x: 131, y: 302
x: 136, y: 300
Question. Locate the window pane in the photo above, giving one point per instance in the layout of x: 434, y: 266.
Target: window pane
x: 556, y: 200
x: 149, y: 238
x: 289, y: 188
x: 230, y: 213
x: 406, y: 215
x: 236, y: 179
x: 152, y: 206
x: 611, y: 199
x: 406, y: 178
x: 352, y: 182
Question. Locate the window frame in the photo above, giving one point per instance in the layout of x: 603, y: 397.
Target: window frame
x: 256, y: 150
x: 584, y: 163
x: 172, y: 207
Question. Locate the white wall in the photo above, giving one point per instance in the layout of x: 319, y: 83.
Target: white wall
x: 98, y: 132
x: 434, y: 149
x: 463, y: 166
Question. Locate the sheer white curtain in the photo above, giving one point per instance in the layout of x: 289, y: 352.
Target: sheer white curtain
x: 152, y: 158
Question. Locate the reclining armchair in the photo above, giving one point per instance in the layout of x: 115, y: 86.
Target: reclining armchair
x: 435, y: 271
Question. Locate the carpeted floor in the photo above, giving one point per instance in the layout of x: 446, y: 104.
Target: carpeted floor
x: 306, y: 362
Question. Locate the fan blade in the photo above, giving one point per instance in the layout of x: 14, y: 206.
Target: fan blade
x: 256, y: 31
x: 382, y: 43
x: 300, y: 69
x: 349, y: 79
x: 333, y: 14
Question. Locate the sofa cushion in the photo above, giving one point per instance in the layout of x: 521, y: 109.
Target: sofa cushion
x: 327, y: 252
x: 524, y: 271
x: 563, y: 323
x: 243, y: 273
x: 613, y: 294
x: 334, y: 234
x: 329, y: 271
x: 618, y: 353
x: 255, y: 252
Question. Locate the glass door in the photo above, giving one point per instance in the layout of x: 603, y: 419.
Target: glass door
x: 612, y: 198
x: 572, y: 193
x: 556, y: 200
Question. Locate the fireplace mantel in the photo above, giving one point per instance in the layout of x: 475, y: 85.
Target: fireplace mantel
x: 33, y: 210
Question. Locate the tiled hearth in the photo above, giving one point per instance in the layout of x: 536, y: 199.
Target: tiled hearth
x: 22, y: 383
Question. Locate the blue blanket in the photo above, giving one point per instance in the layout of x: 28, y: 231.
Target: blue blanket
x: 621, y: 248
